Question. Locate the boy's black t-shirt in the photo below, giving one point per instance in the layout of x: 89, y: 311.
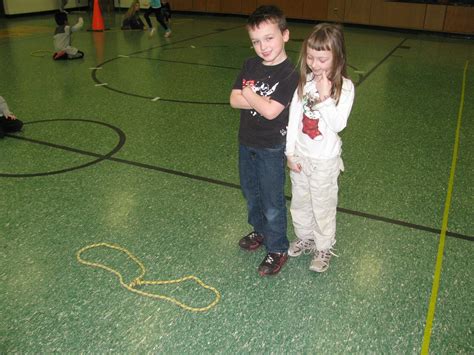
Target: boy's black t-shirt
x: 278, y: 82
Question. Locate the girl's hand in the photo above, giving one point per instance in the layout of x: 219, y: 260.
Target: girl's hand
x: 324, y: 85
x: 293, y: 166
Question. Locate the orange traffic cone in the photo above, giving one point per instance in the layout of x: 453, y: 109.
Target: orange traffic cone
x: 97, y: 20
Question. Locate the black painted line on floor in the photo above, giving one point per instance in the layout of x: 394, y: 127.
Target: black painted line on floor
x: 236, y: 186
x: 379, y: 63
x: 100, y: 157
x: 176, y: 172
x: 405, y: 224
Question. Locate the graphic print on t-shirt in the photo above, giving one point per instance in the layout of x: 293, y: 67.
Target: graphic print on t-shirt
x: 261, y: 88
x: 311, y: 116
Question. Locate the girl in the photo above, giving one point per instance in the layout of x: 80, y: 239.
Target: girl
x: 156, y: 8
x: 319, y: 111
x: 132, y: 19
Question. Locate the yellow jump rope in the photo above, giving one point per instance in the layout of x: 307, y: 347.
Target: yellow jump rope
x: 41, y: 53
x: 140, y: 282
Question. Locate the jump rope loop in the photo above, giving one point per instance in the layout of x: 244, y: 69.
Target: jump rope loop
x: 138, y: 281
x: 41, y: 53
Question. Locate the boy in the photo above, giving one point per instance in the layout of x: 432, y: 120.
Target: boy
x: 262, y: 92
x: 8, y: 121
x: 62, y: 38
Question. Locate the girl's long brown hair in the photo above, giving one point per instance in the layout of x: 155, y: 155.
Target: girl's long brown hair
x: 131, y: 10
x: 325, y: 37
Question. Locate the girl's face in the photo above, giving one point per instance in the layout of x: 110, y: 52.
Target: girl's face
x: 319, y: 61
x: 137, y: 6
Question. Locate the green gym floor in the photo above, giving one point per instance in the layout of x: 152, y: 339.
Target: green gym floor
x: 136, y: 146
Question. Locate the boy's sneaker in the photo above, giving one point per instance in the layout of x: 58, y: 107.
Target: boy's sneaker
x: 168, y: 33
x: 251, y: 241
x: 299, y: 246
x: 320, y: 262
x: 272, y: 263
x: 152, y: 31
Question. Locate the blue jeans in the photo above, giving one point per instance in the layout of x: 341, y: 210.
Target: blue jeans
x: 262, y: 179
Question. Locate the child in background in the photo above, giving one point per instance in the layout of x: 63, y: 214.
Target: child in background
x: 319, y: 111
x: 166, y: 11
x: 132, y: 19
x: 155, y: 8
x: 62, y: 5
x: 62, y: 38
x: 262, y: 92
x: 8, y: 121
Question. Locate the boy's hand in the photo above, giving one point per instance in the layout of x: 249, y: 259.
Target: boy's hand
x: 247, y: 90
x: 249, y: 86
x: 292, y: 165
x: 11, y: 116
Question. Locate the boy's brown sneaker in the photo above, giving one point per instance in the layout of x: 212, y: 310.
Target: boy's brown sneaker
x: 272, y: 263
x: 251, y: 241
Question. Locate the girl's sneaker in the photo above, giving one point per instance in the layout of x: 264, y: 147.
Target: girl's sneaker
x: 299, y: 246
x: 320, y: 262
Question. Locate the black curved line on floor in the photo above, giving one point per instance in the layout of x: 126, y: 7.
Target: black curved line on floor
x: 100, y: 157
x: 97, y: 81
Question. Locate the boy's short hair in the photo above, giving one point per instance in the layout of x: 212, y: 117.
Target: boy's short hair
x: 270, y: 13
x: 60, y: 18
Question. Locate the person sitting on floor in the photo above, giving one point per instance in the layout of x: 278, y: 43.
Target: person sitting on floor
x: 62, y: 38
x: 8, y: 121
x: 132, y: 20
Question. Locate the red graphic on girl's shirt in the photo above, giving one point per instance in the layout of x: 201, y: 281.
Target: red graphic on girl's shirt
x: 311, y: 127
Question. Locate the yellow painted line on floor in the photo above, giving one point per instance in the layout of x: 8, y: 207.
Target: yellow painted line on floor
x: 439, y: 258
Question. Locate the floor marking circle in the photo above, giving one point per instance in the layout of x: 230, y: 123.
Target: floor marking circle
x: 119, y: 145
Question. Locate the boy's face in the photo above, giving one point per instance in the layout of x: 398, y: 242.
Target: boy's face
x: 269, y: 42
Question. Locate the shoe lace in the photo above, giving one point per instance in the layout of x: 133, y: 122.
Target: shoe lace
x: 269, y: 259
x: 307, y: 246
x: 253, y: 236
x: 325, y: 255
